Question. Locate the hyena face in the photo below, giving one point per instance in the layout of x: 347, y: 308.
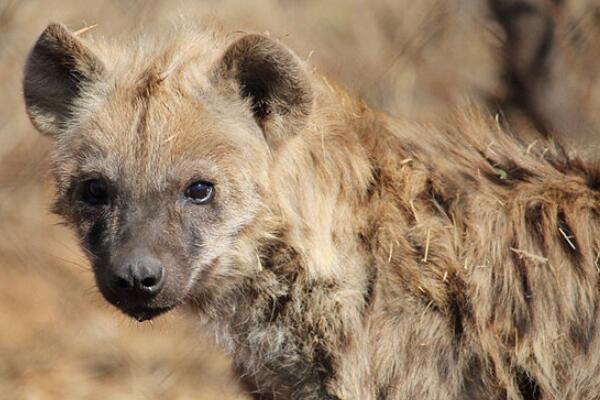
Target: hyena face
x: 161, y: 160
x: 154, y: 206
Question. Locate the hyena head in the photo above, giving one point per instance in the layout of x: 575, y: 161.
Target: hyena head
x: 162, y: 152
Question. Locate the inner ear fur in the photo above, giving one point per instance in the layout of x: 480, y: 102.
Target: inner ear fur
x: 274, y: 82
x: 57, y: 70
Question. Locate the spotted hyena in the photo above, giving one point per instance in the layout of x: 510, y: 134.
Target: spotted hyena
x: 336, y: 252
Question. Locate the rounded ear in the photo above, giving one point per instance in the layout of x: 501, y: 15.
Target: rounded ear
x: 58, y: 69
x: 272, y: 79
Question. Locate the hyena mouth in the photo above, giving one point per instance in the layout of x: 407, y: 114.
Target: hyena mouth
x: 142, y: 314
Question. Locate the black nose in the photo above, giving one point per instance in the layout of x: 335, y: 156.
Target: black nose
x: 141, y: 277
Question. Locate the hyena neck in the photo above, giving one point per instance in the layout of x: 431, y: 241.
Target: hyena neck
x: 283, y: 326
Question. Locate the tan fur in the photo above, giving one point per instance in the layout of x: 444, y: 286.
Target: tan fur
x: 348, y: 255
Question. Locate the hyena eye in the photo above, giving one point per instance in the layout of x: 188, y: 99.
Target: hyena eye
x: 200, y: 192
x: 94, y: 192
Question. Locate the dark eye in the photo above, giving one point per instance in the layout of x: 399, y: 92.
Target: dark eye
x: 94, y: 192
x: 200, y: 192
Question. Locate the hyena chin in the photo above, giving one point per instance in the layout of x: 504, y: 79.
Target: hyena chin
x: 338, y: 253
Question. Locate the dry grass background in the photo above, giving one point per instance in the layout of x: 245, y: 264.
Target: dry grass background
x: 58, y: 338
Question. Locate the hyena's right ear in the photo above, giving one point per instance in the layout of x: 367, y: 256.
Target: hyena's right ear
x: 272, y: 79
x: 58, y: 69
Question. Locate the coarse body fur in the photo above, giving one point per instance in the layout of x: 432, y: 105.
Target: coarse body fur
x: 351, y: 255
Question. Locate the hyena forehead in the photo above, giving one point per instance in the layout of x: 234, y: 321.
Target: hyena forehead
x: 164, y: 118
x: 166, y: 136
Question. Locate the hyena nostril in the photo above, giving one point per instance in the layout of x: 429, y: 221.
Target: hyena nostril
x: 122, y: 283
x: 148, y: 275
x: 121, y: 279
x: 149, y: 281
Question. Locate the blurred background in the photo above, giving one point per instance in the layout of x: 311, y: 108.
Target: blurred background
x: 58, y: 338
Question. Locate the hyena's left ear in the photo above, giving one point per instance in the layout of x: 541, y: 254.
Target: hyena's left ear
x: 57, y: 71
x: 272, y: 79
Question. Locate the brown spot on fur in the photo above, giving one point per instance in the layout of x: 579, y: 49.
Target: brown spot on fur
x: 323, y: 362
x: 456, y: 314
x: 441, y: 203
x: 277, y: 307
x: 522, y: 317
x: 374, y: 183
x: 369, y: 294
x: 148, y: 83
x: 568, y: 241
x: 590, y: 171
x: 418, y: 248
x: 460, y: 311
x: 581, y: 335
x: 276, y: 254
x: 527, y: 386
x: 534, y: 221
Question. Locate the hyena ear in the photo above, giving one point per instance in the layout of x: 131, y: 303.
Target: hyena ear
x: 274, y: 82
x: 58, y: 69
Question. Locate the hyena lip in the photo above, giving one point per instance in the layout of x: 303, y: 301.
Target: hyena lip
x: 142, y: 314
